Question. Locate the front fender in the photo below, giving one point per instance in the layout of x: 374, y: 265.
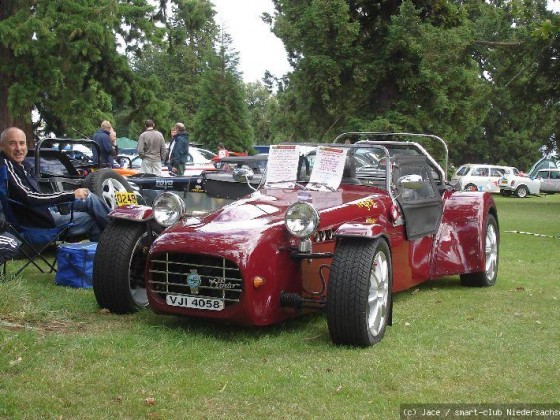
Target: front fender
x: 360, y: 230
x: 133, y: 213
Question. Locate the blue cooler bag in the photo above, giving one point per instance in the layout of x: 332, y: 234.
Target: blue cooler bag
x: 75, y: 264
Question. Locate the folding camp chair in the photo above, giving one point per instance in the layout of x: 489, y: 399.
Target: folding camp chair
x: 35, y: 240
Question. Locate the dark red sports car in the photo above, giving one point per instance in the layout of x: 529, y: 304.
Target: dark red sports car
x: 337, y: 227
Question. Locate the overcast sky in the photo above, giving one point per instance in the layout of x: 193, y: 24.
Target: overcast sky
x: 259, y: 50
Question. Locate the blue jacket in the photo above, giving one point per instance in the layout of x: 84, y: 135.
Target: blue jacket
x: 180, y: 152
x: 102, y: 138
x: 23, y: 187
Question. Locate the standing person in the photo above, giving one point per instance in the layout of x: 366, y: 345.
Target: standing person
x: 170, y: 149
x: 180, y: 154
x: 222, y: 151
x: 113, y: 137
x: 151, y: 148
x: 103, y: 138
x: 41, y: 210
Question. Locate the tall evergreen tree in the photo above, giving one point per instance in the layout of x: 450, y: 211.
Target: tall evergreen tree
x: 222, y: 116
x: 178, y: 64
x: 61, y: 58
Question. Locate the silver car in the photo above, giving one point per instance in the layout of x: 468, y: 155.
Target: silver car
x: 550, y: 180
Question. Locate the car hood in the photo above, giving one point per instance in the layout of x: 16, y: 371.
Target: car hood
x: 256, y: 215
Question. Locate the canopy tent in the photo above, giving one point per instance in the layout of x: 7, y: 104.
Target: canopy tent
x: 126, y: 143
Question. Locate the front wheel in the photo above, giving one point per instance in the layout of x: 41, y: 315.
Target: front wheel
x: 359, y: 292
x: 521, y: 191
x: 487, y: 277
x: 118, y: 267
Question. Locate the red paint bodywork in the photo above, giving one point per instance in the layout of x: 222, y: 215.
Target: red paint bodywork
x: 251, y: 233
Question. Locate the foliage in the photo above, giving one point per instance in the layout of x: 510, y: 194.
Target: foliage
x: 62, y: 357
x: 467, y: 71
x: 62, y: 59
x: 222, y: 115
x: 177, y: 65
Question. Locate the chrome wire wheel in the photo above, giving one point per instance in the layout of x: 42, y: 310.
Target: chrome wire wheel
x: 378, y: 295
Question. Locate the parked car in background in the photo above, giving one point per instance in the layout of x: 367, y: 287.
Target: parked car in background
x: 481, y: 177
x: 519, y: 185
x: 549, y: 180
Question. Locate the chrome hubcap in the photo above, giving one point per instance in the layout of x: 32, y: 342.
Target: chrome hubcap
x: 378, y: 294
x: 491, y: 250
x: 111, y: 186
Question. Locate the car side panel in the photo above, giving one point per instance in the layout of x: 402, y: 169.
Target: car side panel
x: 459, y: 245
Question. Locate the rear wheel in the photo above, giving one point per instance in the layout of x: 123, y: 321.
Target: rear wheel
x: 521, y: 191
x: 487, y: 277
x: 118, y: 267
x: 105, y: 183
x: 471, y: 187
x: 359, y: 292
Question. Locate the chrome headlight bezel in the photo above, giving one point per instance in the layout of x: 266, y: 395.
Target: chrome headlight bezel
x: 301, y: 219
x: 168, y: 208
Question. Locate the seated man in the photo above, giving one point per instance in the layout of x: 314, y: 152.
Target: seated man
x: 90, y: 212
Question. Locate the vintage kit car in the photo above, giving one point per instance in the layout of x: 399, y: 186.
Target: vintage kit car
x: 339, y: 230
x: 59, y: 170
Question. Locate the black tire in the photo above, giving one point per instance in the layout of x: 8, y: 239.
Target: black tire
x: 487, y: 277
x: 506, y: 193
x: 471, y: 187
x: 104, y: 183
x: 521, y: 191
x: 118, y: 267
x: 359, y: 292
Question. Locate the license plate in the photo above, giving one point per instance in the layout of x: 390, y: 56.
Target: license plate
x: 124, y: 198
x: 194, y: 302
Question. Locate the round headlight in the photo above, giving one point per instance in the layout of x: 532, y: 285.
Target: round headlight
x: 301, y: 219
x: 168, y: 208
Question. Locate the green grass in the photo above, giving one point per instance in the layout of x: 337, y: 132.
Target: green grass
x: 61, y: 357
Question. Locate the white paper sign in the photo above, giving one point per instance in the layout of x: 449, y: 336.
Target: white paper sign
x: 282, y: 165
x: 327, y: 169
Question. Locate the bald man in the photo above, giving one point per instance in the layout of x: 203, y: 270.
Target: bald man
x: 41, y: 210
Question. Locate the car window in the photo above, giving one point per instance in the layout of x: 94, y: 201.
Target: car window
x: 542, y: 174
x: 554, y: 175
x: 480, y: 172
x: 497, y: 172
x: 206, y: 154
x: 463, y: 170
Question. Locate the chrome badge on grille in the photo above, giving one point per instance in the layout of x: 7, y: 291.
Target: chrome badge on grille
x: 193, y: 281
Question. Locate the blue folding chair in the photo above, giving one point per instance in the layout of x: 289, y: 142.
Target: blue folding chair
x: 35, y: 240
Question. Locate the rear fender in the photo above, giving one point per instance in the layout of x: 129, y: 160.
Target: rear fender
x: 132, y: 213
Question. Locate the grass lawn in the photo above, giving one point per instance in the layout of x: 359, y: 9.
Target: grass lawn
x: 62, y: 357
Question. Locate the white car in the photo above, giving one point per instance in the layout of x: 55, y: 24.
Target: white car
x: 550, y: 180
x: 519, y: 185
x: 199, y: 160
x: 481, y: 177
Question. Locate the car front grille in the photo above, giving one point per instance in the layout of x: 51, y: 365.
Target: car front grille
x: 195, y: 275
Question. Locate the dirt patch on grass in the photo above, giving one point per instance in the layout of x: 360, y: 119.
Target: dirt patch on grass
x: 57, y: 326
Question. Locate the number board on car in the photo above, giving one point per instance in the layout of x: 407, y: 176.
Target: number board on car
x: 124, y: 198
x: 195, y: 302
